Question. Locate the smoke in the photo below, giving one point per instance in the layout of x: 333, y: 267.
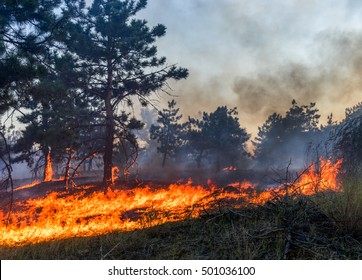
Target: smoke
x: 21, y: 171
x: 259, y: 55
x: 334, y: 82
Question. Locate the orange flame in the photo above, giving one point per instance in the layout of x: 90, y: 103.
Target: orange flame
x: 61, y: 215
x: 27, y: 186
x: 229, y: 168
x: 48, y: 173
x: 115, y: 174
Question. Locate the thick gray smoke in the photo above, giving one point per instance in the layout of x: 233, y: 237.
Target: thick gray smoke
x: 259, y: 55
x: 334, y: 82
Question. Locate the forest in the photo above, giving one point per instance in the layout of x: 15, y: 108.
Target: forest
x: 100, y: 162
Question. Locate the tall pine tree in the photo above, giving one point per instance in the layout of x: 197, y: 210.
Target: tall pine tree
x: 117, y: 51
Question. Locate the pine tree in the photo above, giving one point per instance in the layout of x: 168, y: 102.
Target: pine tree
x: 169, y: 132
x: 116, y: 50
x: 220, y: 136
x: 278, y: 137
x: 56, y: 116
x: 28, y: 30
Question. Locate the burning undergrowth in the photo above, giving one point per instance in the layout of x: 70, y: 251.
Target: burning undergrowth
x: 89, y: 211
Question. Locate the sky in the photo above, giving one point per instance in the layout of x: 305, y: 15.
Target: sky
x: 260, y: 55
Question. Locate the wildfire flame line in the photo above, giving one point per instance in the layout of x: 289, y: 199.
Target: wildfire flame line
x: 61, y: 215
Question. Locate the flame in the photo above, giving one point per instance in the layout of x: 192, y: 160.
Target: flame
x: 28, y: 186
x: 61, y: 215
x: 48, y: 169
x: 230, y: 168
x: 115, y: 174
x: 318, y: 179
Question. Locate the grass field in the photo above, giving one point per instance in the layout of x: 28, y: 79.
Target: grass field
x: 317, y: 227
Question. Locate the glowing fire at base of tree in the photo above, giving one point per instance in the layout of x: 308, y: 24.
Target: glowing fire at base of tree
x: 60, y: 215
x: 48, y: 172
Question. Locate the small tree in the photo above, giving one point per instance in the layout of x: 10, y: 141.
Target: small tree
x: 169, y: 131
x: 220, y: 136
x: 56, y: 117
x: 286, y: 137
x: 270, y: 136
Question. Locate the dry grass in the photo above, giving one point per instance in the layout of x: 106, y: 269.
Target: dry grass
x: 317, y: 227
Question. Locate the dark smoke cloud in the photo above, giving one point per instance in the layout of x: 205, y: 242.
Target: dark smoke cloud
x: 259, y: 55
x: 334, y: 82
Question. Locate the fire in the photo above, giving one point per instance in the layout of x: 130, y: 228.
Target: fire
x: 61, y: 215
x: 48, y: 172
x: 115, y: 174
x: 230, y: 168
x: 28, y: 186
x: 320, y: 179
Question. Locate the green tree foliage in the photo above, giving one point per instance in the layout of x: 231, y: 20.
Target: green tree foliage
x: 56, y: 117
x: 27, y: 29
x: 218, y: 135
x: 285, y: 138
x: 117, y: 52
x: 169, y: 132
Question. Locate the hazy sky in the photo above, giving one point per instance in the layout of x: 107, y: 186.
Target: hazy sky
x: 259, y: 55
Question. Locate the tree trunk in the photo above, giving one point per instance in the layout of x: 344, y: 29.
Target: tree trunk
x: 108, y: 149
x: 164, y: 159
x: 90, y: 164
x: 67, y: 168
x: 109, y: 134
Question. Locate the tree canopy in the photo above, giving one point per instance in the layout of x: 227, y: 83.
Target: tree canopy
x: 218, y: 135
x: 285, y: 138
x: 116, y: 50
x: 168, y: 132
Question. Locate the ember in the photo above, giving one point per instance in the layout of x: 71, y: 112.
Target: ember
x: 230, y: 168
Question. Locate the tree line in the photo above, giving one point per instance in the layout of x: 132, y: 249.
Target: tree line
x: 68, y: 69
x: 71, y: 74
x: 297, y: 136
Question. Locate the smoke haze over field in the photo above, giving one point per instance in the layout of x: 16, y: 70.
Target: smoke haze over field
x: 259, y: 55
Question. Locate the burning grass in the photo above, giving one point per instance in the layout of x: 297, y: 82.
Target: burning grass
x: 275, y: 213
x: 258, y: 233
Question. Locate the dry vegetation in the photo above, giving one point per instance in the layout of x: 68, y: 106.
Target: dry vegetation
x: 327, y: 225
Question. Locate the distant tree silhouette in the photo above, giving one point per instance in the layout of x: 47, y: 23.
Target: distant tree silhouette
x: 282, y: 138
x: 270, y: 136
x: 169, y: 132
x: 218, y: 135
